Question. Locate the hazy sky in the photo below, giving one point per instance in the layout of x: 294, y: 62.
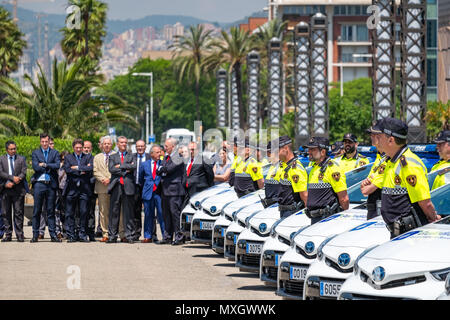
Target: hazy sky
x: 212, y: 10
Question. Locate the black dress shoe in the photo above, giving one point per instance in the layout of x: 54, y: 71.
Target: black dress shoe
x: 92, y: 239
x: 131, y: 241
x: 20, y: 239
x: 111, y: 240
x: 164, y: 242
x: 55, y: 239
x: 177, y: 242
x: 7, y: 239
x: 71, y: 240
x: 34, y: 239
x: 84, y: 240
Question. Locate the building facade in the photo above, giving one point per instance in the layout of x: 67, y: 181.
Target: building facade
x: 349, y: 39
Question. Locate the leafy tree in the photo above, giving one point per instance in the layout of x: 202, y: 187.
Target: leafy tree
x: 189, y: 56
x: 11, y: 44
x: 437, y: 117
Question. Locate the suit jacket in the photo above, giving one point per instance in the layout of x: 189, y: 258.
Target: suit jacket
x: 78, y: 180
x: 172, y: 176
x: 201, y: 175
x: 146, y: 179
x: 126, y: 171
x: 101, y: 172
x: 146, y: 158
x: 53, y: 164
x: 20, y: 170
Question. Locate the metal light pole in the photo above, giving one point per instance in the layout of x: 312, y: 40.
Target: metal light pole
x: 148, y: 74
x: 253, y: 61
x: 275, y: 82
x: 221, y: 97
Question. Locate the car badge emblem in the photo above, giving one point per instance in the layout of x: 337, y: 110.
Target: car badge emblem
x: 309, y: 247
x: 344, y: 259
x: 378, y: 274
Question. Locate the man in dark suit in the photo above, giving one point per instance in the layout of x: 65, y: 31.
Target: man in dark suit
x: 90, y: 220
x: 122, y: 188
x: 151, y: 194
x: 173, y: 192
x: 199, y: 174
x: 45, y: 162
x: 78, y: 167
x: 13, y: 170
x: 140, y: 157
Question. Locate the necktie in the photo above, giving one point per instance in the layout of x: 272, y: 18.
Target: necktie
x: 139, y: 160
x: 154, y: 175
x: 11, y: 162
x: 106, y: 159
x: 47, y: 177
x: 78, y: 160
x: 121, y: 160
x: 189, y: 170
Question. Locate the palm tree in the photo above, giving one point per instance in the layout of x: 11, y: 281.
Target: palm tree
x: 232, y: 50
x: 189, y: 54
x: 11, y: 44
x: 86, y: 41
x: 262, y: 36
x: 65, y: 107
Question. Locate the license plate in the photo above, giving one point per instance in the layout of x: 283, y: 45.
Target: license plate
x: 277, y: 258
x: 254, y: 248
x: 329, y: 289
x: 188, y: 219
x: 206, y: 225
x: 298, y: 273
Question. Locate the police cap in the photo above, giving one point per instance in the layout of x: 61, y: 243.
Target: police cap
x: 351, y: 137
x: 443, y: 136
x: 336, y: 147
x: 394, y: 127
x: 318, y: 142
x: 376, y: 127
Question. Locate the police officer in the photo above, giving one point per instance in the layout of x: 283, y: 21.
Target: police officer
x: 293, y: 180
x: 371, y: 186
x: 351, y: 159
x: 405, y: 196
x: 248, y: 173
x: 337, y: 149
x: 443, y: 165
x: 327, y: 186
x: 272, y: 179
x: 236, y: 160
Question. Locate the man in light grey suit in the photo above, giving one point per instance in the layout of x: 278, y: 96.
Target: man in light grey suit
x: 13, y: 171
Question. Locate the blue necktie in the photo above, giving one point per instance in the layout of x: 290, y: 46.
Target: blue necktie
x: 11, y: 162
x: 47, y: 177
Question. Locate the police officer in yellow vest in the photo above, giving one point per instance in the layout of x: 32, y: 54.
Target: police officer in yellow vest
x: 235, y: 162
x: 371, y: 186
x: 443, y: 165
x: 327, y: 186
x: 351, y: 159
x: 293, y: 179
x: 248, y: 173
x: 405, y: 196
x: 272, y: 179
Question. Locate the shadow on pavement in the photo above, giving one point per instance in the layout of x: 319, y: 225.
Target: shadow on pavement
x: 224, y: 265
x: 243, y: 275
x: 258, y: 288
x: 196, y: 246
x: 212, y: 255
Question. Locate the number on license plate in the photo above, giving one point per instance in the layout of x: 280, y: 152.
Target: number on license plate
x: 206, y: 225
x: 298, y: 273
x: 255, y: 248
x: 188, y: 219
x: 329, y: 289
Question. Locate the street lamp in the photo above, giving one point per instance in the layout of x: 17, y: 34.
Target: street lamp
x: 253, y: 61
x: 147, y: 74
x: 275, y: 82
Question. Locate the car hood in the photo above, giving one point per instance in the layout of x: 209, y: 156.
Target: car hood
x: 219, y: 200
x: 244, y: 201
x: 249, y: 210
x: 291, y: 224
x: 201, y: 196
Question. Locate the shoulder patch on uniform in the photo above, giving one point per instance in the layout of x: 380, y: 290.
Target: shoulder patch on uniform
x: 362, y: 163
x: 320, y: 176
x: 255, y: 169
x: 403, y: 161
x: 296, y: 178
x: 397, y: 180
x: 330, y: 163
x: 412, y: 180
x: 336, y: 176
x: 381, y: 169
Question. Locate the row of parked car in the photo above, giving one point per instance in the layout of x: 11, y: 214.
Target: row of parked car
x: 344, y: 256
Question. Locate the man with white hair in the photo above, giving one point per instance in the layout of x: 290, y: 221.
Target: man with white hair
x: 173, y: 192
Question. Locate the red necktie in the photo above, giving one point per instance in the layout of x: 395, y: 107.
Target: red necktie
x: 189, y: 170
x: 121, y: 160
x: 154, y: 176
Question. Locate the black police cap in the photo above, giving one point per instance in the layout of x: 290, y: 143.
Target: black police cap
x: 318, y: 142
x: 376, y: 127
x: 443, y: 136
x: 394, y: 127
x: 351, y: 137
x: 284, y: 141
x: 336, y: 147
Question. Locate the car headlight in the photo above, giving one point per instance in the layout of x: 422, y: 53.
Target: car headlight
x: 355, y: 265
x: 198, y: 205
x: 234, y: 215
x: 247, y: 221
x: 262, y: 227
x: 319, y: 250
x: 440, y: 274
x: 213, y: 209
x: 447, y: 284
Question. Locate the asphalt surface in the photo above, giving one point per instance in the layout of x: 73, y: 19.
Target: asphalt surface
x: 96, y: 270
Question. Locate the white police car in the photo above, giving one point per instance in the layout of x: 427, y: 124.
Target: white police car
x: 195, y: 204
x: 236, y: 227
x: 203, y: 220
x: 446, y: 294
x: 226, y: 218
x: 336, y: 256
x: 251, y: 240
x: 413, y: 265
x: 276, y: 245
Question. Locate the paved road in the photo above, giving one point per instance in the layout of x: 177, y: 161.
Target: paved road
x: 121, y: 271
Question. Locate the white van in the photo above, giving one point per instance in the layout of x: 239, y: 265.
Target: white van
x: 183, y: 136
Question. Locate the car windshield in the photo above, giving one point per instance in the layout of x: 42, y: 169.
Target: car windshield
x: 439, y: 197
x: 355, y: 195
x: 357, y: 175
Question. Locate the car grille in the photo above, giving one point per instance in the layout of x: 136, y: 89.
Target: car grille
x: 250, y: 260
x: 392, y: 284
x: 293, y: 287
x: 230, y: 249
x: 184, y: 225
x: 283, y: 240
x: 303, y: 253
x: 353, y: 296
x: 218, y: 241
x: 254, y: 230
x: 271, y: 272
x: 202, y: 234
x: 336, y: 267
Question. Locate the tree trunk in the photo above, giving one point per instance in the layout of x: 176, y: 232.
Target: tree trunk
x: 243, y: 121
x: 197, y: 99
